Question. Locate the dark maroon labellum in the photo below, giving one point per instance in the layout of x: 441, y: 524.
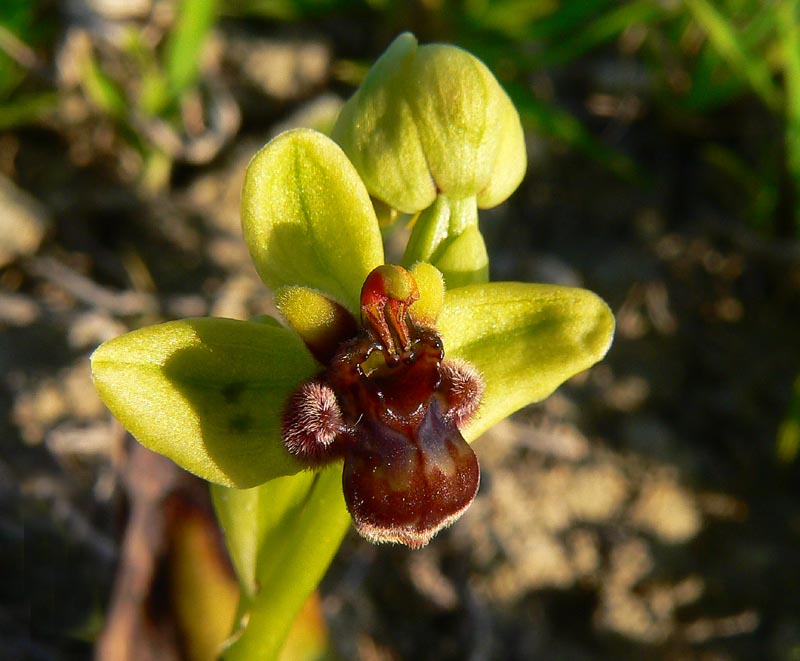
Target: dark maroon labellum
x: 391, y: 407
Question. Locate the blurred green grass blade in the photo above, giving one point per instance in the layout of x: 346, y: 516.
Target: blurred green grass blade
x: 185, y: 43
x: 28, y: 109
x: 512, y: 18
x: 11, y: 73
x: 714, y: 83
x: 569, y: 16
x: 530, y: 21
x: 722, y: 34
x: 789, y: 22
x: 788, y: 16
x: 23, y: 27
x: 154, y: 93
x: 102, y: 90
x: 292, y: 10
x: 788, y: 441
x: 602, y: 29
x: 285, y: 10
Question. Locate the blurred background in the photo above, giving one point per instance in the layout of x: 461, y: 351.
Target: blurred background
x: 647, y: 510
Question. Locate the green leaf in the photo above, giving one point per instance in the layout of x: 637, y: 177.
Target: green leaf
x: 598, y: 30
x: 207, y: 393
x: 282, y: 537
x: 308, y: 219
x: 249, y: 518
x: 525, y: 339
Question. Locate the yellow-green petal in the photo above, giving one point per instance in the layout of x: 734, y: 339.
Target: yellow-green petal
x: 430, y: 281
x: 307, y: 217
x: 320, y: 321
x: 207, y: 393
x: 526, y: 340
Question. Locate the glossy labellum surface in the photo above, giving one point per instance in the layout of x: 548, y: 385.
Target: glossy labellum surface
x: 390, y: 406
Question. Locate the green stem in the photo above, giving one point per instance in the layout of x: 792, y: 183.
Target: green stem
x: 282, y: 537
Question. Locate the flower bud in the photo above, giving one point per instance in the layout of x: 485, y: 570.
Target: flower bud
x: 432, y: 120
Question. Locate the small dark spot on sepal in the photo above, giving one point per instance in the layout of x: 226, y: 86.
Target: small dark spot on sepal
x: 240, y: 423
x: 232, y: 392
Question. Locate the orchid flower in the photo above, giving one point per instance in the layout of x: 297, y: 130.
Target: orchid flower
x: 360, y: 403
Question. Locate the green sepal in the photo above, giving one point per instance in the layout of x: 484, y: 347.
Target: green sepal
x: 282, y: 536
x: 207, y: 393
x: 307, y: 217
x: 525, y: 339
